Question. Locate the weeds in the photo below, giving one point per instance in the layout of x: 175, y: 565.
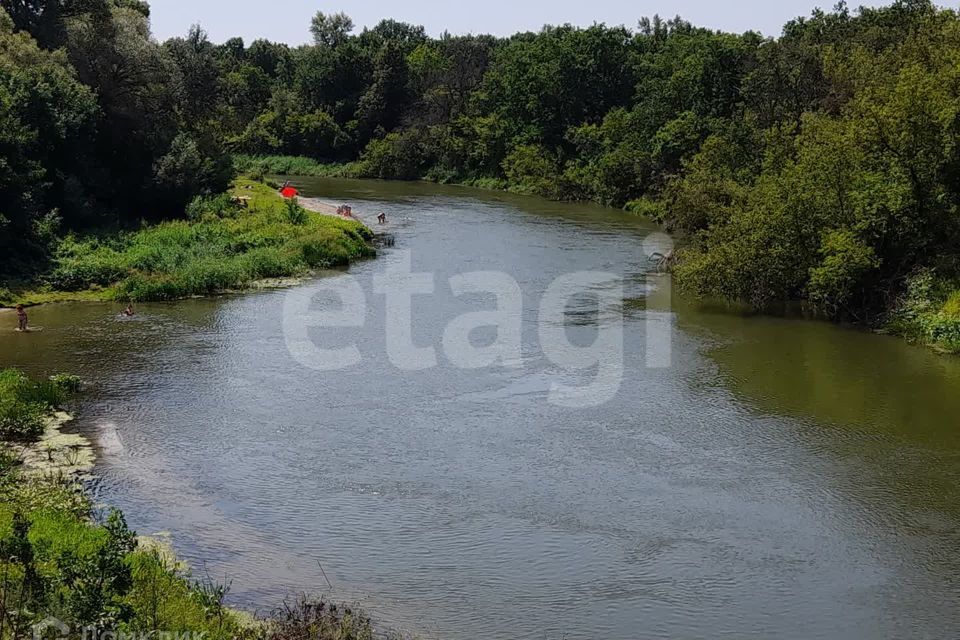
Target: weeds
x: 308, y: 619
x: 24, y: 403
x: 224, y: 246
x: 259, y: 166
x: 929, y: 313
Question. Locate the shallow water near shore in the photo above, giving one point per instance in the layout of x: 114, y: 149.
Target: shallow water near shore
x: 783, y: 478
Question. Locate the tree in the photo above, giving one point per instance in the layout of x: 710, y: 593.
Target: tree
x: 330, y: 30
x: 46, y: 124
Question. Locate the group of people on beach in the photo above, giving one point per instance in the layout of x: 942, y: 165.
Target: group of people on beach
x: 23, y: 321
x: 287, y: 190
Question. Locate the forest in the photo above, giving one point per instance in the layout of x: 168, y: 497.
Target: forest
x: 821, y: 167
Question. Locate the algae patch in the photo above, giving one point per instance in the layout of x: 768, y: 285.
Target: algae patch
x: 56, y: 452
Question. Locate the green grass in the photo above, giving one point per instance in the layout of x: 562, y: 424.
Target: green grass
x: 222, y: 247
x: 25, y: 403
x: 291, y: 165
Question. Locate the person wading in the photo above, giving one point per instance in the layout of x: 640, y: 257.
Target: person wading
x: 21, y: 318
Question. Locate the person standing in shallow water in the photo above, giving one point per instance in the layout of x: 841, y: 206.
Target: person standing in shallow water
x: 21, y: 318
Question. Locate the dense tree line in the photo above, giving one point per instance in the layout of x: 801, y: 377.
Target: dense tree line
x: 820, y: 166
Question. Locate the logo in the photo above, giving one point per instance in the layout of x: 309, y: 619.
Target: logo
x: 50, y: 628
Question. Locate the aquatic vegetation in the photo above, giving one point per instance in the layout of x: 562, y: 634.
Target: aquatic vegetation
x: 67, y: 382
x: 229, y: 242
x: 308, y: 619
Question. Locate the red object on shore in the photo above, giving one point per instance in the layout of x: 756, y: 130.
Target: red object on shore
x: 289, y: 192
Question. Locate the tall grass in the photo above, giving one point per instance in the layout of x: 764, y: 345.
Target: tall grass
x: 290, y: 165
x: 222, y: 247
x: 25, y: 403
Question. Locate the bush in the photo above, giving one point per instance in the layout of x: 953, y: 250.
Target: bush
x: 929, y: 312
x: 295, y: 213
x: 398, y: 156
x: 25, y: 404
x: 648, y: 208
x: 82, y: 264
x: 532, y: 169
x: 944, y: 332
x: 846, y: 262
x: 221, y: 206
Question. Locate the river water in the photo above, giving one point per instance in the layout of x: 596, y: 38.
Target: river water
x: 781, y: 479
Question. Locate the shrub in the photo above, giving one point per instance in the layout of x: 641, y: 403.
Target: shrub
x: 846, y: 262
x: 81, y: 264
x: 24, y: 403
x: 648, y: 207
x: 295, y: 213
x: 944, y: 332
x: 221, y: 206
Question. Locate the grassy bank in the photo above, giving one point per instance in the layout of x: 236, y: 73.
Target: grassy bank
x: 61, y: 558
x: 223, y: 246
x: 927, y: 314
x: 291, y: 165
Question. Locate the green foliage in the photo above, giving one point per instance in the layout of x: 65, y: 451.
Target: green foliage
x: 46, y: 120
x: 846, y: 261
x: 820, y: 166
x: 295, y: 214
x: 929, y: 312
x: 25, y: 403
x: 531, y: 169
x: 259, y: 166
x: 66, y: 382
x: 398, y: 156
x: 224, y: 247
x: 213, y: 207
x: 58, y: 561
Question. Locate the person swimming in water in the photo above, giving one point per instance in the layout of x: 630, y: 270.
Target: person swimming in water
x: 21, y: 318
x: 129, y: 312
x: 382, y: 218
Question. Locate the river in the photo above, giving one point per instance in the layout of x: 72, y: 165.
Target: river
x: 782, y: 478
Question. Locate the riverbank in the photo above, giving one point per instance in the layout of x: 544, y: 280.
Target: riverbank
x: 246, y: 238
x: 927, y: 313
x: 66, y: 562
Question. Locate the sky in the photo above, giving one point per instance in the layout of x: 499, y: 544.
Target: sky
x: 288, y: 20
